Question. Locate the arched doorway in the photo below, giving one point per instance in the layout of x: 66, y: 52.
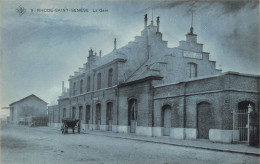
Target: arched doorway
x: 80, y: 112
x: 109, y: 116
x: 98, y: 116
x: 73, y: 112
x: 87, y: 116
x: 132, y: 114
x: 242, y: 120
x: 205, y: 120
x: 166, y: 119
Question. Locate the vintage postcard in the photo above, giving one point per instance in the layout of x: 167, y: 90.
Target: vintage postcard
x: 129, y: 82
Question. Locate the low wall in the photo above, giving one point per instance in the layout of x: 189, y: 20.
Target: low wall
x: 225, y: 136
x: 114, y: 128
x: 123, y: 129
x: 144, y: 130
x: 157, y: 131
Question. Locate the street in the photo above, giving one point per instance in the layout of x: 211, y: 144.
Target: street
x: 21, y: 144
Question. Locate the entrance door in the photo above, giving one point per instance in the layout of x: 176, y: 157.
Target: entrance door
x: 133, y: 115
x: 205, y: 120
x: 98, y: 116
x: 166, y: 120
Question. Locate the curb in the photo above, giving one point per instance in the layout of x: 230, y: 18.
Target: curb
x: 173, y: 144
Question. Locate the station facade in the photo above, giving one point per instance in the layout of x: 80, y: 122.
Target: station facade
x: 150, y: 89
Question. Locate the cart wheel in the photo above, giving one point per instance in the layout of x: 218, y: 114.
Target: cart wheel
x: 65, y: 129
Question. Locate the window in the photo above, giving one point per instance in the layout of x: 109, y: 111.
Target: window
x: 81, y: 86
x: 192, y: 70
x: 99, y: 81
x: 132, y: 110
x: 74, y: 89
x: 110, y: 77
x: 80, y: 113
x: 64, y: 112
x: 88, y: 84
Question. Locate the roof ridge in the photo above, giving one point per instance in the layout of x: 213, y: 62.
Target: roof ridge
x: 26, y: 98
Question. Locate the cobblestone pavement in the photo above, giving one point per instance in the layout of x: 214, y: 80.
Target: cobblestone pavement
x: 26, y: 145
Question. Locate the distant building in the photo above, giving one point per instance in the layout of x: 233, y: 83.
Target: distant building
x: 30, y: 106
x: 150, y: 89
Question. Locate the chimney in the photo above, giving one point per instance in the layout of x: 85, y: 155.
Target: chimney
x: 100, y: 52
x: 152, y: 18
x: 114, y: 44
x: 145, y: 21
x: 90, y: 52
x: 158, y: 22
x: 63, y: 88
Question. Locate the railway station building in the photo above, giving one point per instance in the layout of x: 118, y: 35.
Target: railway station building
x: 149, y: 89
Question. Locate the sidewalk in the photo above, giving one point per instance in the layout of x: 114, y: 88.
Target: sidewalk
x: 197, y: 144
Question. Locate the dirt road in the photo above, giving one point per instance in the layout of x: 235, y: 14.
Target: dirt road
x: 44, y: 145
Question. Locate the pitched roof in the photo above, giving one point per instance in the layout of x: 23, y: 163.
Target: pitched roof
x: 32, y: 95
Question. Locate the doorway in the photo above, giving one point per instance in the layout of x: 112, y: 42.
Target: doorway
x: 98, y: 116
x: 166, y: 120
x: 205, y: 120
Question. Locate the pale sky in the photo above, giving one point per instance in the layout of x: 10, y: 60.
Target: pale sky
x: 39, y: 50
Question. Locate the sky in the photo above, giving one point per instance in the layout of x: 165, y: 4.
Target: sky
x: 39, y: 50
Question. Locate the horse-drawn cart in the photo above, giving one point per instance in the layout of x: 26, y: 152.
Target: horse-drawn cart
x: 70, y: 123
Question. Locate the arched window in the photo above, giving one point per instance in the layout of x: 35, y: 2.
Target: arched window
x: 110, y: 77
x: 192, y: 67
x: 81, y: 86
x: 99, y: 81
x: 74, y: 88
x: 132, y: 109
x: 64, y: 113
x: 88, y: 84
